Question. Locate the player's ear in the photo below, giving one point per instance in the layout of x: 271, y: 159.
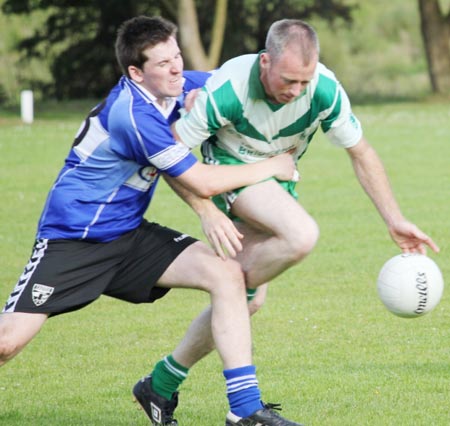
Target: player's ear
x: 264, y: 60
x: 136, y: 74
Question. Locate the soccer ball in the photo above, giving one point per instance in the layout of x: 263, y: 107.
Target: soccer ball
x: 410, y: 285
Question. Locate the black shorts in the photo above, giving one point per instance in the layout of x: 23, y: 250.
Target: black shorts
x: 66, y: 275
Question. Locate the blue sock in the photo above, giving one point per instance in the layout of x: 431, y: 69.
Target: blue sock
x: 243, y: 392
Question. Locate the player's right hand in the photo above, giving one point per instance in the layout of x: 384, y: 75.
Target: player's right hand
x: 285, y: 167
x: 220, y: 231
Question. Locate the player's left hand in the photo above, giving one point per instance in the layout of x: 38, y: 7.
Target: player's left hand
x: 220, y: 231
x: 410, y: 238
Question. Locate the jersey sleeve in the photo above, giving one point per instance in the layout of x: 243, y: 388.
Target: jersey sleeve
x: 193, y: 127
x: 194, y: 79
x: 215, y: 106
x: 143, y: 135
x: 341, y: 126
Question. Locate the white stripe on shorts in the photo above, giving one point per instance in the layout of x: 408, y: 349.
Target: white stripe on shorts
x: 38, y: 253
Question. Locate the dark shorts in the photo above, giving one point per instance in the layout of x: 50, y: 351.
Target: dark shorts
x: 66, y: 275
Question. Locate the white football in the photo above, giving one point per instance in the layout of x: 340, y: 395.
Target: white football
x: 410, y: 285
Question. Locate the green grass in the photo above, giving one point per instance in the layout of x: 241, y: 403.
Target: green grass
x: 324, y: 345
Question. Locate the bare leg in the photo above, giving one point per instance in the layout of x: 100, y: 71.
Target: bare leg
x: 278, y: 232
x: 228, y: 319
x: 16, y: 331
x: 255, y: 304
x: 198, y: 340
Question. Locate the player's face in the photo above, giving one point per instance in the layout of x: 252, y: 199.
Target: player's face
x: 286, y: 78
x: 162, y: 72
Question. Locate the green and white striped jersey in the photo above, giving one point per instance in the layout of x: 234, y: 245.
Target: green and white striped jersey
x: 233, y: 109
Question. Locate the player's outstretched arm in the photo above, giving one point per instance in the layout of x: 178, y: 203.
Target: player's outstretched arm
x: 373, y: 178
x: 209, y: 180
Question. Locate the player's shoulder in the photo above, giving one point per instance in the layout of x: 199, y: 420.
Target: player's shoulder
x: 325, y: 77
x: 194, y: 79
x: 133, y: 107
x: 242, y: 60
x: 325, y: 86
x: 322, y: 69
x: 237, y: 68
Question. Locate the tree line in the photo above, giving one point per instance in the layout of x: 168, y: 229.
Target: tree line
x: 77, y: 40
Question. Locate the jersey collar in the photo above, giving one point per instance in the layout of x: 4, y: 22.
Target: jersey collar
x: 151, y: 99
x: 256, y: 89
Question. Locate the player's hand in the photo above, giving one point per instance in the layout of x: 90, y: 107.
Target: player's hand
x: 190, y: 99
x: 220, y: 232
x: 285, y: 168
x: 410, y: 238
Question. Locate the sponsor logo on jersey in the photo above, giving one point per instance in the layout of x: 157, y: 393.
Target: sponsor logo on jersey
x: 148, y: 173
x: 354, y: 121
x: 40, y: 293
x: 143, y: 179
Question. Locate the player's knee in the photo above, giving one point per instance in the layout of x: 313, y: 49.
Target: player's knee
x: 225, y: 276
x: 8, y: 348
x: 235, y: 276
x: 11, y: 342
x: 301, y: 243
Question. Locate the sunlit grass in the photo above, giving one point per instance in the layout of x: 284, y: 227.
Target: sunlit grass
x: 324, y: 345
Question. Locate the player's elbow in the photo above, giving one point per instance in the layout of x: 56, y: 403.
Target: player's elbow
x: 206, y: 190
x: 202, y: 180
x: 209, y: 186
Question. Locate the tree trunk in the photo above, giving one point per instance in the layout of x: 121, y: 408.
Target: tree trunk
x: 190, y: 39
x: 436, y: 37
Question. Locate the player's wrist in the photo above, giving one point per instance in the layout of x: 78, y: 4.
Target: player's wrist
x: 203, y: 206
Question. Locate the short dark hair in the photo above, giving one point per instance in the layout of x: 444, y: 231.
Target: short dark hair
x: 136, y: 35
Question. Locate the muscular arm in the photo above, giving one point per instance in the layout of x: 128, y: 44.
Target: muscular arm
x: 373, y: 178
x: 208, y: 180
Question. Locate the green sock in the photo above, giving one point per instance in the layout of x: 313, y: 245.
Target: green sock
x: 251, y: 294
x: 167, y: 376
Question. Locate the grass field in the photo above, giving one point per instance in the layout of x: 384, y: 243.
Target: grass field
x: 324, y: 345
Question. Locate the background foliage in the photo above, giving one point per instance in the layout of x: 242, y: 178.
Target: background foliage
x: 375, y: 48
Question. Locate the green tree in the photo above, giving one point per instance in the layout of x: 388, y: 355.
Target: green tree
x: 77, y: 38
x: 435, y: 26
x: 191, y: 41
x: 249, y: 20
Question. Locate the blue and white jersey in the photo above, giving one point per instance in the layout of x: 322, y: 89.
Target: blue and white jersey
x: 112, y: 169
